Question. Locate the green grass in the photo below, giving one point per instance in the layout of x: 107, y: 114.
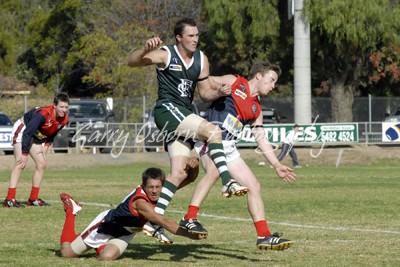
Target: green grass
x: 347, y: 216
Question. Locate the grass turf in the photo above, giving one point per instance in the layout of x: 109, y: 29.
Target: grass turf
x: 345, y: 216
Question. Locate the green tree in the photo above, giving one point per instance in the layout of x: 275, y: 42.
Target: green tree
x: 51, y: 33
x: 345, y: 37
x: 81, y: 46
x: 240, y: 33
x: 15, y: 15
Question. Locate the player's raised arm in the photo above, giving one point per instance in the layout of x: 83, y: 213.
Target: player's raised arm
x: 148, y: 54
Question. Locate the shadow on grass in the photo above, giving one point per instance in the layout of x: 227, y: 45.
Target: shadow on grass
x: 179, y: 253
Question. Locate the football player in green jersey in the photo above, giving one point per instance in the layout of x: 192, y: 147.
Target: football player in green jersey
x: 180, y: 68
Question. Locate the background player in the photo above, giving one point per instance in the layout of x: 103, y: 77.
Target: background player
x: 32, y: 135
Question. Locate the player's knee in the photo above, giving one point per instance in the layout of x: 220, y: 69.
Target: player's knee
x: 254, y: 187
x: 67, y: 252
x: 212, y: 132
x: 178, y: 175
x: 42, y: 165
x: 215, y: 136
x: 18, y: 168
x: 108, y: 255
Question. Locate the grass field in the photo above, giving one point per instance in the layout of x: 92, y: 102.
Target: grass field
x: 347, y: 216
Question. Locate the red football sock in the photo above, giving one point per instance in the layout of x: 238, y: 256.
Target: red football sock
x: 34, y: 193
x: 262, y: 228
x: 12, y: 192
x: 68, y: 232
x: 192, y: 212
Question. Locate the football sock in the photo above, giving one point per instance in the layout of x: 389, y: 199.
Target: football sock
x: 68, y: 232
x: 34, y: 193
x: 192, y: 212
x: 12, y: 192
x: 217, y: 155
x: 262, y: 228
x: 167, y: 192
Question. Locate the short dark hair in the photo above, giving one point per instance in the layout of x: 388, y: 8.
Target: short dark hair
x: 263, y: 67
x: 63, y: 97
x: 153, y: 173
x: 180, y: 25
x: 296, y: 126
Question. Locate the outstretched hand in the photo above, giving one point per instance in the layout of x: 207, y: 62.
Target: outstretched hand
x: 287, y: 175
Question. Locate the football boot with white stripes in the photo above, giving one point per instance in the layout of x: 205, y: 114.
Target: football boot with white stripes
x: 233, y: 188
x: 192, y: 226
x: 274, y: 242
x: 156, y: 231
x: 37, y: 202
x: 70, y: 203
x: 12, y: 203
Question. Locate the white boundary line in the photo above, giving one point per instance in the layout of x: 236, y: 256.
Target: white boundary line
x: 300, y: 225
x: 269, y: 222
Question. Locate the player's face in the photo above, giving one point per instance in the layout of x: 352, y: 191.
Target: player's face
x: 267, y: 82
x: 189, y: 38
x: 153, y: 189
x: 61, y: 109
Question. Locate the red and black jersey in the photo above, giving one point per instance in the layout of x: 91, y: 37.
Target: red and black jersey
x: 42, y: 126
x: 233, y: 112
x: 121, y: 220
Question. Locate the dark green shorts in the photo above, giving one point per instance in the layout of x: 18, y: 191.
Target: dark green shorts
x: 167, y: 117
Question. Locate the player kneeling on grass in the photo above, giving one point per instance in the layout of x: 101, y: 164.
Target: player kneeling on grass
x: 112, y: 230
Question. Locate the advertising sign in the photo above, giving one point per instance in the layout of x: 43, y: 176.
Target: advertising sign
x: 313, y: 133
x: 5, y: 138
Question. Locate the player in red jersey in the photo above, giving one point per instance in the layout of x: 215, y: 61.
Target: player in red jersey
x: 32, y: 135
x: 232, y: 113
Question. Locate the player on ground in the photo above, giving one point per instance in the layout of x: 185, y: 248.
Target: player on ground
x: 232, y: 113
x: 32, y: 135
x: 112, y: 230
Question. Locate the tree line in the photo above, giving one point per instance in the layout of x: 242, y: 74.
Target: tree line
x: 81, y: 46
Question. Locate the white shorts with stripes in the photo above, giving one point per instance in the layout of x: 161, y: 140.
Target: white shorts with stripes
x: 230, y: 149
x: 95, y: 239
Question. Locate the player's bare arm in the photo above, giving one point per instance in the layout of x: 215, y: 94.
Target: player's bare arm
x: 210, y: 91
x: 222, y: 85
x: 285, y: 173
x: 148, y: 54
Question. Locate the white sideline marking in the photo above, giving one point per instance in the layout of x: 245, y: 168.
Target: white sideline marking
x: 250, y: 220
x: 298, y: 225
